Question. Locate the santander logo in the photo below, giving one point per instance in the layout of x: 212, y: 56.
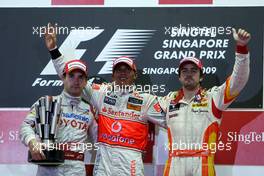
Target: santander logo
x: 120, y: 114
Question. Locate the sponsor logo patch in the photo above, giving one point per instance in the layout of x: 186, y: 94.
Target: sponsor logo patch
x: 75, y: 116
x: 198, y: 105
x: 157, y: 107
x: 174, y: 107
x: 135, y: 100
x: 133, y: 107
x: 121, y: 114
x: 110, y: 101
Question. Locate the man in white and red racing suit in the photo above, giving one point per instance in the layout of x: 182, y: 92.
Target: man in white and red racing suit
x: 122, y: 124
x: 75, y: 124
x: 194, y: 114
x: 123, y: 116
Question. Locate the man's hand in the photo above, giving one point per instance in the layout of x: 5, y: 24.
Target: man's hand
x: 241, y: 37
x: 35, y: 149
x: 50, y: 37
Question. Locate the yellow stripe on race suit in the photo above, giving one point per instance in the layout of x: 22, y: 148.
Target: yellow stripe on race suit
x: 210, y: 160
x: 210, y: 138
x: 167, y: 167
x: 168, y: 162
x: 228, y: 95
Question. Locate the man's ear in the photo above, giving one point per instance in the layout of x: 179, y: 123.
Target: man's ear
x: 135, y: 76
x: 63, y: 77
x: 112, y: 76
x: 201, y: 78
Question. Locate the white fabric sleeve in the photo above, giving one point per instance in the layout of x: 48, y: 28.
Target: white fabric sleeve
x: 154, y: 112
x: 92, y: 131
x: 225, y: 94
x: 59, y: 65
x: 28, y: 128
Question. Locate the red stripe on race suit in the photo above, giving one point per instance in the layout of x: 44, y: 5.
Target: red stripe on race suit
x: 189, y: 153
x: 123, y: 133
x: 217, y: 112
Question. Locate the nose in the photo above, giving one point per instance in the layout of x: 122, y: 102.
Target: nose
x: 188, y: 73
x: 76, y: 79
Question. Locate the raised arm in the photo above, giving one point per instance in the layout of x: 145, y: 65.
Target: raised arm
x: 90, y: 93
x: 224, y: 95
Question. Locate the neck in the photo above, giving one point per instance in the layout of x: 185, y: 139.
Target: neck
x: 70, y: 95
x: 189, y: 94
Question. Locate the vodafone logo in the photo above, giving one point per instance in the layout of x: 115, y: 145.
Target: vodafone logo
x: 116, y: 127
x: 128, y: 42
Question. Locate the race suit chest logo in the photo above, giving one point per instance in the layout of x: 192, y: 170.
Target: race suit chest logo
x: 173, y: 108
x: 120, y: 114
x: 110, y: 101
x: 116, y: 127
x: 121, y: 132
x: 134, y: 103
x: 74, y: 120
x: 135, y: 100
x: 200, y: 104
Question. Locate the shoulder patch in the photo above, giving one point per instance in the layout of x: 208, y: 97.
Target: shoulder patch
x: 96, y: 86
x: 173, y: 95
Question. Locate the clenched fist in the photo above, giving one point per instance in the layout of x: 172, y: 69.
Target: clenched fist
x: 241, y: 37
x: 50, y: 37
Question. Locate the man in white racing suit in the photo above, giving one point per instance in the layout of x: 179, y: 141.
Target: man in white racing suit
x: 194, y: 114
x: 75, y: 123
x: 123, y: 116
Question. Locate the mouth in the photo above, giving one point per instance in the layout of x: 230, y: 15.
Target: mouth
x: 123, y: 79
x: 188, y: 79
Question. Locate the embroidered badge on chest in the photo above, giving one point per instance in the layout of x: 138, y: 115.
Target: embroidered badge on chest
x: 174, y: 107
x: 109, y: 100
x: 134, y: 103
x: 133, y: 107
x: 135, y: 100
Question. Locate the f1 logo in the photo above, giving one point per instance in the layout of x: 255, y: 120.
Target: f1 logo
x: 124, y: 42
x: 68, y: 47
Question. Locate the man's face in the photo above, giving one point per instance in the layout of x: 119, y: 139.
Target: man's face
x: 123, y: 75
x: 74, y: 82
x: 190, y: 76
